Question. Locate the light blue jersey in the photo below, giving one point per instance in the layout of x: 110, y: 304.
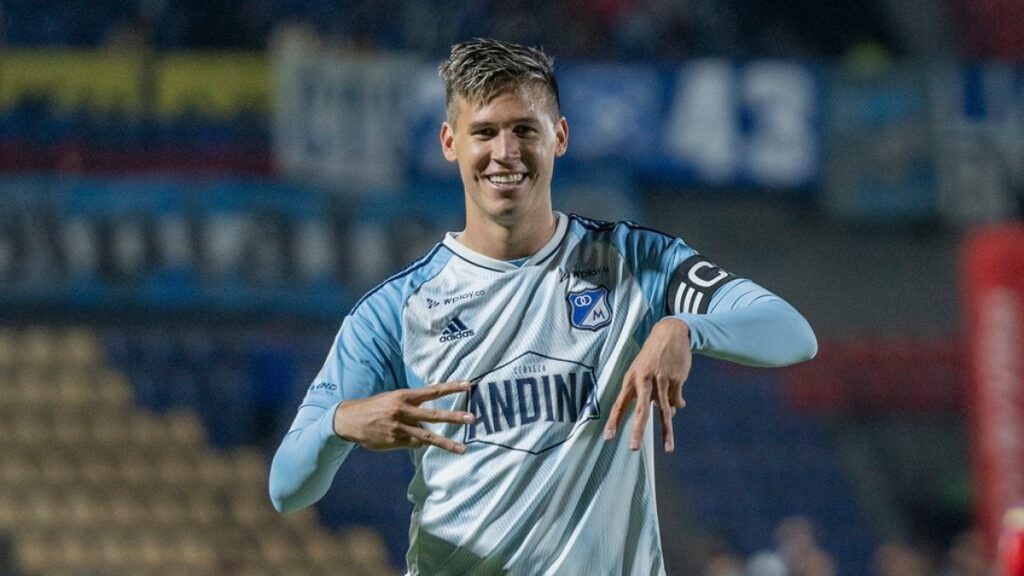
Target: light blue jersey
x: 546, y: 343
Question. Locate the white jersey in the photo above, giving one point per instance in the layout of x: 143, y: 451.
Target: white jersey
x: 545, y: 344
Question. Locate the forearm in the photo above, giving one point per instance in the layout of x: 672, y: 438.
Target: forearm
x: 768, y: 333
x: 307, y: 460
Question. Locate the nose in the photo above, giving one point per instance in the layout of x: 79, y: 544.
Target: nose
x: 506, y: 146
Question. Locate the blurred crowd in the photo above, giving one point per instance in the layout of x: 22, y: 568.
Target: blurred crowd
x: 572, y: 29
x: 797, y: 552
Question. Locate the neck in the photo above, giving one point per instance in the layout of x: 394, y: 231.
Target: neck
x: 525, y: 237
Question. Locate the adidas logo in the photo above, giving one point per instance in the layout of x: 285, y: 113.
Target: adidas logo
x: 431, y: 303
x: 456, y: 330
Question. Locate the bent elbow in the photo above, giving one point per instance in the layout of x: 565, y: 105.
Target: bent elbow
x: 279, y: 499
x: 285, y: 502
x: 797, y: 343
x: 806, y: 342
x: 283, y: 493
x: 811, y: 346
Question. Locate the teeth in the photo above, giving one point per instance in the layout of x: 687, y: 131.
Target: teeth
x: 506, y: 178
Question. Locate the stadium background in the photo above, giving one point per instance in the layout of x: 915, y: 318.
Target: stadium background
x: 193, y: 193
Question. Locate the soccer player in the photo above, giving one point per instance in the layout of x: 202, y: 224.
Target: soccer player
x: 510, y: 356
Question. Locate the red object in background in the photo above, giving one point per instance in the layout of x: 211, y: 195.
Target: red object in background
x: 1011, y: 544
x: 880, y: 377
x: 993, y: 276
x: 74, y: 157
x: 991, y: 28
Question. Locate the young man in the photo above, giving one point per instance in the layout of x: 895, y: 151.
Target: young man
x: 509, y: 357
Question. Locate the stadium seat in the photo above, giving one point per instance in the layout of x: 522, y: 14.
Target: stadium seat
x: 8, y: 349
x: 81, y: 348
x: 94, y: 482
x: 39, y: 346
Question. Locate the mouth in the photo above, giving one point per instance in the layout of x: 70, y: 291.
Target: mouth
x: 506, y: 181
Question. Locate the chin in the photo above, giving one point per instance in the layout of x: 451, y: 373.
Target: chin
x: 507, y: 216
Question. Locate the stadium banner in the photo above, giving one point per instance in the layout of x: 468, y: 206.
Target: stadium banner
x: 72, y: 80
x: 993, y: 268
x: 751, y: 124
x: 880, y: 151
x: 706, y: 123
x: 338, y: 116
x: 216, y: 85
x: 374, y: 121
x: 978, y: 113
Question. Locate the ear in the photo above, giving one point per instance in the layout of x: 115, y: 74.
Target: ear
x: 448, y: 142
x: 561, y: 136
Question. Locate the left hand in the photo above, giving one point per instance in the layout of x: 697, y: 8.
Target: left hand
x: 657, y: 374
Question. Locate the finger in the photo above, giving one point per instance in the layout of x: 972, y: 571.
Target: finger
x: 677, y: 395
x: 414, y: 414
x: 640, y: 413
x: 625, y: 395
x: 424, y: 436
x: 665, y: 409
x: 421, y: 395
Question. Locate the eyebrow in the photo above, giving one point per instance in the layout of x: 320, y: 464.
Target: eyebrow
x: 523, y: 120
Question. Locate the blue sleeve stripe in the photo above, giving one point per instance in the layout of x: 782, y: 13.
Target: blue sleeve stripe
x: 635, y: 226
x: 605, y: 226
x: 400, y: 274
x: 590, y: 224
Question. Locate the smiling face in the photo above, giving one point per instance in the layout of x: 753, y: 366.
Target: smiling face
x: 506, y: 150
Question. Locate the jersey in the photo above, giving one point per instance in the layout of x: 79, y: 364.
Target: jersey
x: 545, y: 344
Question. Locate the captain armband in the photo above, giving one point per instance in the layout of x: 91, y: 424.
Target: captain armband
x: 692, y: 285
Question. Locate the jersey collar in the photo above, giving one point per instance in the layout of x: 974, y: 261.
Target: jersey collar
x: 460, y: 250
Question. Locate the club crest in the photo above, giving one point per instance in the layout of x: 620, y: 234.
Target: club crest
x: 589, y: 309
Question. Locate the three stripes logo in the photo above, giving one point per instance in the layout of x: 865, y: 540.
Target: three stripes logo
x: 693, y: 284
x: 456, y: 330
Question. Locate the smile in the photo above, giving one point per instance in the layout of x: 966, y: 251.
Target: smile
x: 506, y: 179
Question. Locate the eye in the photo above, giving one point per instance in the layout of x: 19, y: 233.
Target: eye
x: 483, y: 133
x: 525, y: 130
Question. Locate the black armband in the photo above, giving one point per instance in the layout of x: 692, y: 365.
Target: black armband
x: 692, y: 285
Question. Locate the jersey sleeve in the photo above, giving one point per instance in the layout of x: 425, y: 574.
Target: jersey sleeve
x: 747, y: 324
x: 731, y: 318
x: 364, y: 360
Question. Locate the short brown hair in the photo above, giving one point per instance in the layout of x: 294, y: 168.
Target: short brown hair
x: 481, y: 69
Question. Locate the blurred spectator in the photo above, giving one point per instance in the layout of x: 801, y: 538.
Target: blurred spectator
x: 966, y: 556
x: 766, y: 563
x: 796, y: 553
x: 619, y: 29
x: 721, y: 560
x: 898, y: 559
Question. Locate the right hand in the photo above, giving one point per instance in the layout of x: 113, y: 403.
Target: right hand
x: 392, y: 419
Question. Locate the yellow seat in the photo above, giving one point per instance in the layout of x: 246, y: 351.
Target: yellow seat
x: 112, y: 388
x: 39, y: 346
x: 82, y: 347
x: 366, y: 548
x: 8, y: 348
x: 213, y: 469
x: 32, y: 549
x: 249, y: 467
x: 185, y: 428
x: 278, y: 548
